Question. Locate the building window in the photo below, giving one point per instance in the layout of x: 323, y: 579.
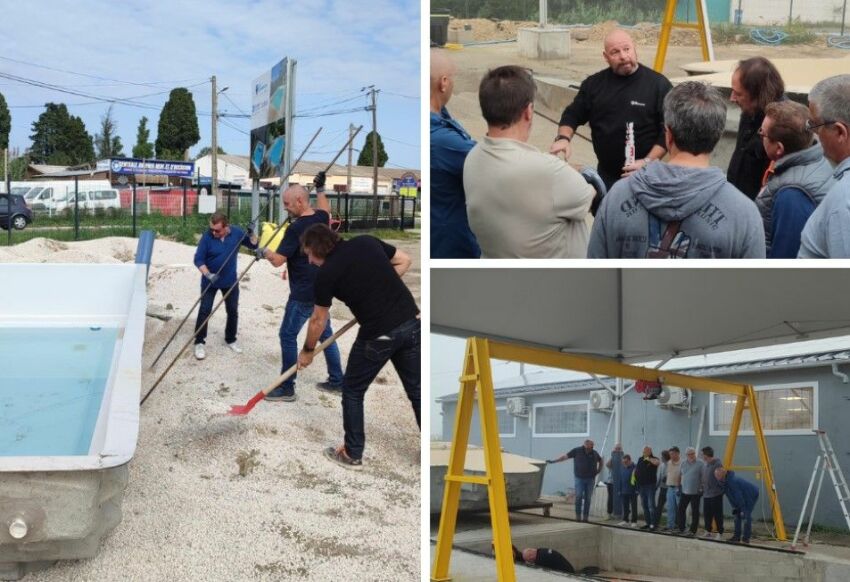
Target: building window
x: 507, y: 422
x: 784, y: 409
x: 561, y: 419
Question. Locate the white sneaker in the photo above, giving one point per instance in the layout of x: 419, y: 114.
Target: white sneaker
x: 634, y: 524
x: 623, y: 523
x: 718, y: 536
x: 235, y: 347
x: 200, y: 352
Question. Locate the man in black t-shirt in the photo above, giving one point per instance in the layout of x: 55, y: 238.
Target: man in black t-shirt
x: 646, y: 478
x: 624, y: 92
x: 299, y: 306
x: 547, y: 558
x: 586, y: 466
x: 365, y: 274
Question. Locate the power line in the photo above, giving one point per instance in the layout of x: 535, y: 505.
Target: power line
x: 339, y: 112
x: 414, y: 97
x: 412, y: 145
x: 226, y: 96
x: 148, y: 84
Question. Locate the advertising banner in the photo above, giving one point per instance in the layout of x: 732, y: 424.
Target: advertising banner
x: 269, y: 99
x: 131, y: 166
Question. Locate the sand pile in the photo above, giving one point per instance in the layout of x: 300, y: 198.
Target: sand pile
x: 214, y: 497
x: 484, y: 29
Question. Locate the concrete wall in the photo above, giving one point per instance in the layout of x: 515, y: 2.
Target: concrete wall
x: 645, y: 423
x: 765, y: 12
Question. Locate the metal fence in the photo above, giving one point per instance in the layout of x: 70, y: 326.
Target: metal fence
x: 173, y: 213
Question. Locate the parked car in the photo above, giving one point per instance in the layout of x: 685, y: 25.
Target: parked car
x: 93, y: 199
x: 17, y: 213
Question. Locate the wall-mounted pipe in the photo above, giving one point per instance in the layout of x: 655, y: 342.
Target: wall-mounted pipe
x: 844, y: 377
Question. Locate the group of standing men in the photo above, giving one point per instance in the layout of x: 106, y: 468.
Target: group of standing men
x: 671, y: 482
x: 363, y: 272
x: 779, y: 198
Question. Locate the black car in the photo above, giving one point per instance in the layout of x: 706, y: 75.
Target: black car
x: 19, y: 216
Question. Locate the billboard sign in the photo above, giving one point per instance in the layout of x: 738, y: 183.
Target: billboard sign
x: 269, y: 100
x: 132, y: 166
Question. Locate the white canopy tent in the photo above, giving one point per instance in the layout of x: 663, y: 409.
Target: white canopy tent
x: 637, y: 315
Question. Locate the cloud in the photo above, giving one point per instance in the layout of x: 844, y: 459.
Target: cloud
x: 340, y: 47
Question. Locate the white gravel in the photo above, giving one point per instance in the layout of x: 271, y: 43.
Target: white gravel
x: 215, y: 497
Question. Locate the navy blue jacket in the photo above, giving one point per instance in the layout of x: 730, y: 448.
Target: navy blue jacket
x: 626, y: 487
x: 741, y: 493
x: 212, y: 252
x: 451, y: 237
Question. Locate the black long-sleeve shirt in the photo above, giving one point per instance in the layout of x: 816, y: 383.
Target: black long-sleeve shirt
x: 749, y: 161
x: 608, y: 101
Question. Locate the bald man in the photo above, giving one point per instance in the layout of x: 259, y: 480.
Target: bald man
x: 302, y: 276
x: 625, y: 92
x: 451, y: 237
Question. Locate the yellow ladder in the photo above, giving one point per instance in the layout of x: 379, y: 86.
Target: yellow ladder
x: 667, y: 25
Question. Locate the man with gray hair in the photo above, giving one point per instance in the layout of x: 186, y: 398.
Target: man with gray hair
x: 690, y: 482
x: 683, y: 208
x: 827, y: 232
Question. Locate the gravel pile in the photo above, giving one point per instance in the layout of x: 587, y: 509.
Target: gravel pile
x: 215, y: 497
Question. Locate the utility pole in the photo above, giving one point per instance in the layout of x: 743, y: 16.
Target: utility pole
x: 350, y: 150
x: 214, y: 152
x: 374, y: 107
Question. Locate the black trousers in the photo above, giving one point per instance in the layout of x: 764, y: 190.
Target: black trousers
x: 684, y: 501
x: 713, y: 509
x: 629, y: 507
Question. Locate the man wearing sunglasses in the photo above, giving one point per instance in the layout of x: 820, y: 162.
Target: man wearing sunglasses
x: 216, y: 260
x: 827, y: 232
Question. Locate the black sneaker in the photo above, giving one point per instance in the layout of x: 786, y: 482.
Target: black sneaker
x: 329, y: 387
x: 281, y: 395
x: 338, y: 455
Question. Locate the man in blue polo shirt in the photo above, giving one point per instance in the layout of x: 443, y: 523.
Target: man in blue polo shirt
x: 302, y: 276
x: 451, y: 237
x: 215, y: 258
x: 587, y: 464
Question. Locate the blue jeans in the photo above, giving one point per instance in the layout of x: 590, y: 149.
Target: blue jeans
x: 231, y: 306
x: 584, y: 491
x: 747, y: 516
x: 672, y: 506
x: 295, y: 316
x: 401, y: 346
x: 647, y: 500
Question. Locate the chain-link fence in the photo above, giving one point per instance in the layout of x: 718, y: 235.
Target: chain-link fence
x: 174, y: 213
x: 803, y: 19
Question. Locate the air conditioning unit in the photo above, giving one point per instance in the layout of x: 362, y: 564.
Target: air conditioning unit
x: 672, y: 396
x: 516, y: 406
x: 601, y: 400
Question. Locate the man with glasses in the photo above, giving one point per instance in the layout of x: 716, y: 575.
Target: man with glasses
x: 215, y: 258
x: 797, y: 180
x: 827, y: 232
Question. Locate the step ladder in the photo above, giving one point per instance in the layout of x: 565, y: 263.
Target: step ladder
x: 825, y: 462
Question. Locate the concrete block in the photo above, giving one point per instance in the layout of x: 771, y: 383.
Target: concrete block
x: 460, y: 36
x: 544, y: 43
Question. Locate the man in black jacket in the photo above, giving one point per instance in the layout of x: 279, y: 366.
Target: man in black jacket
x: 646, y: 476
x: 755, y: 84
x: 625, y: 92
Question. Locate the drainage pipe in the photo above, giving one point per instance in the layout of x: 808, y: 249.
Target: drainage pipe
x: 144, y: 249
x: 844, y: 378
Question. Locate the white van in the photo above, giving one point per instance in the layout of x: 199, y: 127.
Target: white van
x: 92, y: 200
x: 57, y: 195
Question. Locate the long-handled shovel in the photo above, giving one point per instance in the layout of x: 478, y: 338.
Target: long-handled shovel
x: 241, y: 409
x: 227, y: 260
x: 229, y: 291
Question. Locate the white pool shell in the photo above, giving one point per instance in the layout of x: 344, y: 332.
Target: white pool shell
x: 75, y: 295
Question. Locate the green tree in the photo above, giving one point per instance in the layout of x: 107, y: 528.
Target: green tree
x: 365, y: 158
x: 208, y: 150
x: 5, y: 123
x: 59, y: 138
x: 108, y: 144
x: 143, y: 148
x: 178, y: 126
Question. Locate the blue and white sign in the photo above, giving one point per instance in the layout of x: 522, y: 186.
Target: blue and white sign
x: 152, y: 167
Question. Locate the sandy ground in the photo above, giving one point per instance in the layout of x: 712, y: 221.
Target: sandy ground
x: 213, y: 497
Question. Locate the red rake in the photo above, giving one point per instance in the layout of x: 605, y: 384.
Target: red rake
x: 242, y: 409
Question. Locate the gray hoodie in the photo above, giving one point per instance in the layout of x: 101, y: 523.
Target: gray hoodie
x: 668, y: 211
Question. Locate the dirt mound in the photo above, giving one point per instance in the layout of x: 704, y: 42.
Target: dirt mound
x: 484, y: 29
x: 645, y: 33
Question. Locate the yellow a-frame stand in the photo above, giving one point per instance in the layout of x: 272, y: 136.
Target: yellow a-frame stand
x: 668, y: 23
x: 477, y: 381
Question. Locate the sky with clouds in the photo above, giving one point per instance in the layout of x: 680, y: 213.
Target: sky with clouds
x: 136, y: 50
